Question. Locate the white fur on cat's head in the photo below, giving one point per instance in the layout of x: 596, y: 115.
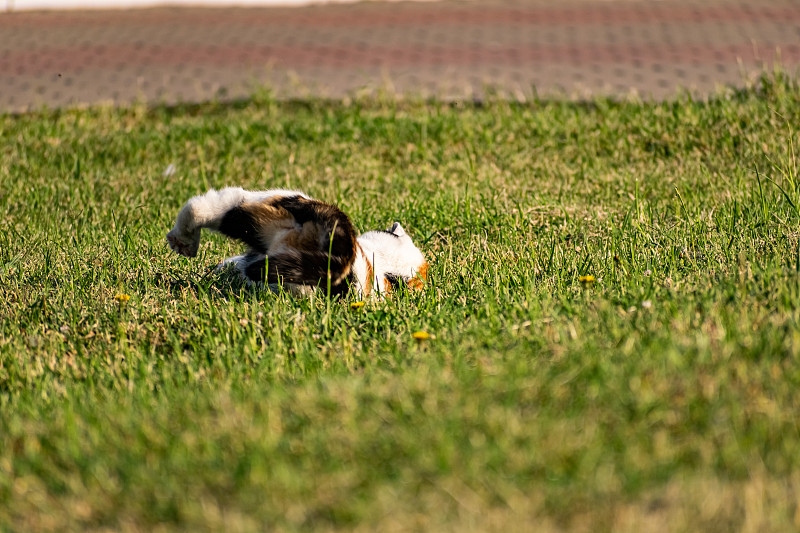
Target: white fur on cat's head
x: 394, y: 257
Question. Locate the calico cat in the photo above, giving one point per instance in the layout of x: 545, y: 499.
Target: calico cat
x: 299, y: 243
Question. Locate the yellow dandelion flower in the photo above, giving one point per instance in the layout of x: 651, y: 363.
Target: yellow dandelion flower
x: 356, y: 305
x: 587, y: 280
x: 420, y: 336
x: 122, y: 298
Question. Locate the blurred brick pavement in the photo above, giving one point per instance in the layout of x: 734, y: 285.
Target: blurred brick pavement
x: 451, y: 49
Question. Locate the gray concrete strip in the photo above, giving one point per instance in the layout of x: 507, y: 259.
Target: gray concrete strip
x: 448, y: 49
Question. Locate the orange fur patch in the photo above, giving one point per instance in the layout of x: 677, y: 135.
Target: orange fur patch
x: 418, y: 281
x: 370, y: 272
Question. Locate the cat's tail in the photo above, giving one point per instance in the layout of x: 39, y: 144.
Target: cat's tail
x: 305, y: 241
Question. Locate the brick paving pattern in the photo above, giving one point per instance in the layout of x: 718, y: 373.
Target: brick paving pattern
x: 450, y: 49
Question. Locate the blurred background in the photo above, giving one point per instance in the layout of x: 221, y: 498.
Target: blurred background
x: 74, y: 52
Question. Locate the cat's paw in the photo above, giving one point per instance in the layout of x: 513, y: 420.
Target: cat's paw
x: 186, y: 245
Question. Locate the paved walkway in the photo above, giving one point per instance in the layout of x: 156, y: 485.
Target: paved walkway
x: 451, y: 49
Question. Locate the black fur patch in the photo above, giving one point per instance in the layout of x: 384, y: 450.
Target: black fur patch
x: 238, y: 223
x: 278, y: 270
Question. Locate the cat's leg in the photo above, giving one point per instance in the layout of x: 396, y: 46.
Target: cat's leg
x: 233, y: 262
x: 207, y: 211
x: 298, y: 290
x: 290, y: 288
x: 202, y: 211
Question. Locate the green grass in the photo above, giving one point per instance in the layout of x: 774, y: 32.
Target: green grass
x: 661, y: 397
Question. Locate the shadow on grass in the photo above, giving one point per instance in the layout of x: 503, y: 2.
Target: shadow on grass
x: 221, y: 284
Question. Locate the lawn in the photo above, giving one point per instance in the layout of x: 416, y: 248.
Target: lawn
x: 612, y: 310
